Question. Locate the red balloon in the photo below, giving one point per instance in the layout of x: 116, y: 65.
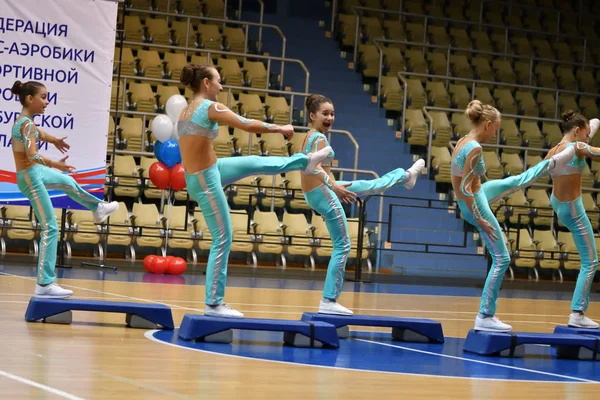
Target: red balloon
x: 160, y: 265
x: 178, y: 177
x: 148, y: 262
x: 177, y: 266
x: 160, y: 175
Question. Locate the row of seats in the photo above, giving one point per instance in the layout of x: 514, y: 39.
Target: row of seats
x: 207, y: 36
x: 144, y: 227
x: 533, y: 233
x: 498, y: 14
x: 474, y: 66
x: 130, y: 180
x: 204, y: 8
x: 508, y: 100
x: 148, y: 63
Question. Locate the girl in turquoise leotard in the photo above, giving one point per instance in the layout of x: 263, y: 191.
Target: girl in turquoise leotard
x: 566, y: 202
x: 325, y: 195
x: 35, y: 174
x: 473, y: 199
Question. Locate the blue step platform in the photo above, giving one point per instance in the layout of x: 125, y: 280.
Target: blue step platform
x: 296, y: 333
x: 576, y: 331
x: 403, y: 329
x: 511, y: 344
x: 145, y: 316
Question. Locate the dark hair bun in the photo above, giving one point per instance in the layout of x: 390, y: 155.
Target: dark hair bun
x: 187, y: 75
x: 17, y: 88
x: 568, y: 115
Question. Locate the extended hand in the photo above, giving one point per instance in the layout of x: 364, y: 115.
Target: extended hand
x: 61, y: 145
x: 344, y: 194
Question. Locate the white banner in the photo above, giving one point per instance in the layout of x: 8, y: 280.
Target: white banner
x: 68, y: 45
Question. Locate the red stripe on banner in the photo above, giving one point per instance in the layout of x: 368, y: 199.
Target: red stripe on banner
x: 11, y: 177
x: 8, y: 176
x: 87, y: 174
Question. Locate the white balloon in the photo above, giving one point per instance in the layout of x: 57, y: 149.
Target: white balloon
x: 174, y: 105
x: 175, y: 135
x: 162, y: 128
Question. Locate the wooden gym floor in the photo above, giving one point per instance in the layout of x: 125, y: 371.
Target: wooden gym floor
x: 97, y: 357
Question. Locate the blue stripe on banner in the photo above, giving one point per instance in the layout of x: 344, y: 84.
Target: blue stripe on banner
x: 62, y: 201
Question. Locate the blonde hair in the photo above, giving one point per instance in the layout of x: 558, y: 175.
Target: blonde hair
x: 478, y: 112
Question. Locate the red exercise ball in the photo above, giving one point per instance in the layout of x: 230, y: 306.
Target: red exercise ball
x: 160, y: 265
x: 160, y: 175
x: 148, y: 262
x: 178, y: 177
x: 177, y: 266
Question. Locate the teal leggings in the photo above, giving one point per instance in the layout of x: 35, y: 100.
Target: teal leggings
x: 33, y: 183
x: 365, y: 188
x: 490, y: 191
x: 324, y: 201
x: 206, y: 188
x: 572, y: 215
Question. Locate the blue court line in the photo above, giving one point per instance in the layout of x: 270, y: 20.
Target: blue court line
x: 324, y: 358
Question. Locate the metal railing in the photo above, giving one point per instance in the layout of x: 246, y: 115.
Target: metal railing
x: 463, y: 22
x: 458, y: 49
x: 229, y: 89
x: 245, y: 24
x: 474, y: 82
x: 560, y: 13
x: 185, y: 50
x: 260, y: 21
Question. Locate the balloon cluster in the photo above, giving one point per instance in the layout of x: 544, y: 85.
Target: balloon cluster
x: 167, y: 172
x: 165, y: 265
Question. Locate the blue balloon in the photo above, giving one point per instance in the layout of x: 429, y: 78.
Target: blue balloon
x: 169, y: 152
x: 157, y: 147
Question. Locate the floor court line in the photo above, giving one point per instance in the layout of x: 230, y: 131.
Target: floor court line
x: 303, y: 290
x: 478, y: 361
x: 41, y: 386
x: 150, y: 335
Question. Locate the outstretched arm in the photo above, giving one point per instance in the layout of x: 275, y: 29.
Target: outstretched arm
x: 59, y: 143
x: 583, y: 150
x: 221, y: 113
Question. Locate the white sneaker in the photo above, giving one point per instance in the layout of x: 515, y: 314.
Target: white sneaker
x: 414, y: 171
x: 104, y: 210
x: 581, y: 321
x: 560, y: 160
x: 491, y: 324
x: 223, y: 310
x: 594, y: 125
x: 333, y: 307
x: 314, y: 159
x: 52, y: 291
